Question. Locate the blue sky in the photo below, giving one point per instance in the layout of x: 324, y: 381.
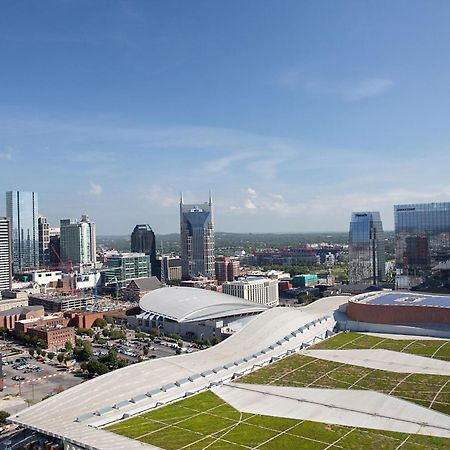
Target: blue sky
x: 293, y: 113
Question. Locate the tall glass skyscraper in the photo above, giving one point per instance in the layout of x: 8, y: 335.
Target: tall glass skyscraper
x: 366, y: 251
x: 22, y: 210
x: 5, y: 254
x: 197, y: 239
x: 422, y: 235
x: 143, y: 241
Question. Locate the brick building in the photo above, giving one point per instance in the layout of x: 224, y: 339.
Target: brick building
x: 54, y: 337
x: 82, y: 319
x: 10, y: 317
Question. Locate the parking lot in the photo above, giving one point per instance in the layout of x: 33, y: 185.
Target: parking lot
x: 35, y: 380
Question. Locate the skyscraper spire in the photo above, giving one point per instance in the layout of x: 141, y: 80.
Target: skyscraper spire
x: 210, y: 198
x: 181, y: 197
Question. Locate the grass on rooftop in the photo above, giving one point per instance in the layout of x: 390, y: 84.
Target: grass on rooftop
x: 432, y: 391
x: 432, y: 348
x: 205, y: 421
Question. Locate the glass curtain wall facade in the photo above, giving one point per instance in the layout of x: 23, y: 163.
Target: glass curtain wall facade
x: 366, y: 248
x: 143, y: 241
x: 5, y: 254
x: 197, y: 239
x: 22, y: 210
x: 422, y: 235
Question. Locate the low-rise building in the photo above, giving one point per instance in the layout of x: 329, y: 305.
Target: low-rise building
x: 22, y: 326
x: 136, y: 289
x: 9, y: 317
x: 54, y: 337
x: 55, y: 303
x: 256, y: 289
x: 13, y: 299
x: 305, y: 280
x: 82, y: 319
x: 42, y: 277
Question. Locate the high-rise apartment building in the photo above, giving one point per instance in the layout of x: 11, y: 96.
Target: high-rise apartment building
x: 226, y: 268
x: 366, y: 252
x: 44, y: 240
x: 143, y: 241
x: 5, y: 254
x: 422, y: 235
x: 256, y: 289
x: 22, y: 210
x: 197, y: 239
x: 78, y: 241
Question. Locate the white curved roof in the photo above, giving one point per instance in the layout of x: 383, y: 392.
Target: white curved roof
x: 186, y: 304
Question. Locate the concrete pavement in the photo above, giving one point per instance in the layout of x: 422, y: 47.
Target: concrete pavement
x: 354, y: 408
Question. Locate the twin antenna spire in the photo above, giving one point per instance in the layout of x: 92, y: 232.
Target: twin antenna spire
x: 210, y: 198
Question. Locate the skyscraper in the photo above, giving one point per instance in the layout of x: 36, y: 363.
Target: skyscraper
x: 422, y: 235
x: 5, y: 254
x: 197, y: 239
x: 44, y: 240
x: 366, y: 248
x: 78, y: 241
x: 22, y: 210
x: 143, y: 241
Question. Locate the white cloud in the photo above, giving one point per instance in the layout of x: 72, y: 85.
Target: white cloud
x: 370, y: 87
x: 6, y: 155
x: 96, y: 189
x: 164, y: 197
x: 252, y: 192
x: 295, y: 78
x: 249, y: 204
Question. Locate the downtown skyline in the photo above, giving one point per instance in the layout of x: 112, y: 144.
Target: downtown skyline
x: 293, y: 116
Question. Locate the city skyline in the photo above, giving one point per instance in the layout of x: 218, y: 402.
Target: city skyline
x: 293, y: 116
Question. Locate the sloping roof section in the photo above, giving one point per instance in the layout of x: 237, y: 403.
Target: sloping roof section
x: 145, y: 284
x: 185, y: 304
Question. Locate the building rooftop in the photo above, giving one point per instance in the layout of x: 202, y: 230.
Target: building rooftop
x: 39, y: 319
x: 20, y: 310
x: 405, y: 299
x: 184, y: 304
x: 146, y: 284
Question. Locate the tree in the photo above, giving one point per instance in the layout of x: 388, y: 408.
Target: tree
x: 60, y: 357
x: 100, y: 323
x: 50, y: 355
x: 38, y: 351
x: 215, y: 340
x: 3, y: 416
x: 43, y: 353
x: 146, y: 350
x: 95, y: 367
x: 31, y: 351
x: 69, y: 346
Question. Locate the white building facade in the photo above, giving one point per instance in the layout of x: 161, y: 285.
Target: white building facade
x: 256, y: 289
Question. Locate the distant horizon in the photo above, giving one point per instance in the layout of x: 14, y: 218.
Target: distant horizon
x: 294, y: 114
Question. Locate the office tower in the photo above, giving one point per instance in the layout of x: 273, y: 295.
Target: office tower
x: 197, y: 239
x: 256, y: 289
x: 121, y: 268
x: 143, y: 241
x: 5, y: 254
x: 366, y: 252
x: 22, y: 210
x: 78, y: 241
x: 44, y: 240
x: 54, y: 246
x: 226, y: 268
x: 422, y: 235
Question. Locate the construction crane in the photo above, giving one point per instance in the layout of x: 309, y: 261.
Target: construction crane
x: 68, y: 267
